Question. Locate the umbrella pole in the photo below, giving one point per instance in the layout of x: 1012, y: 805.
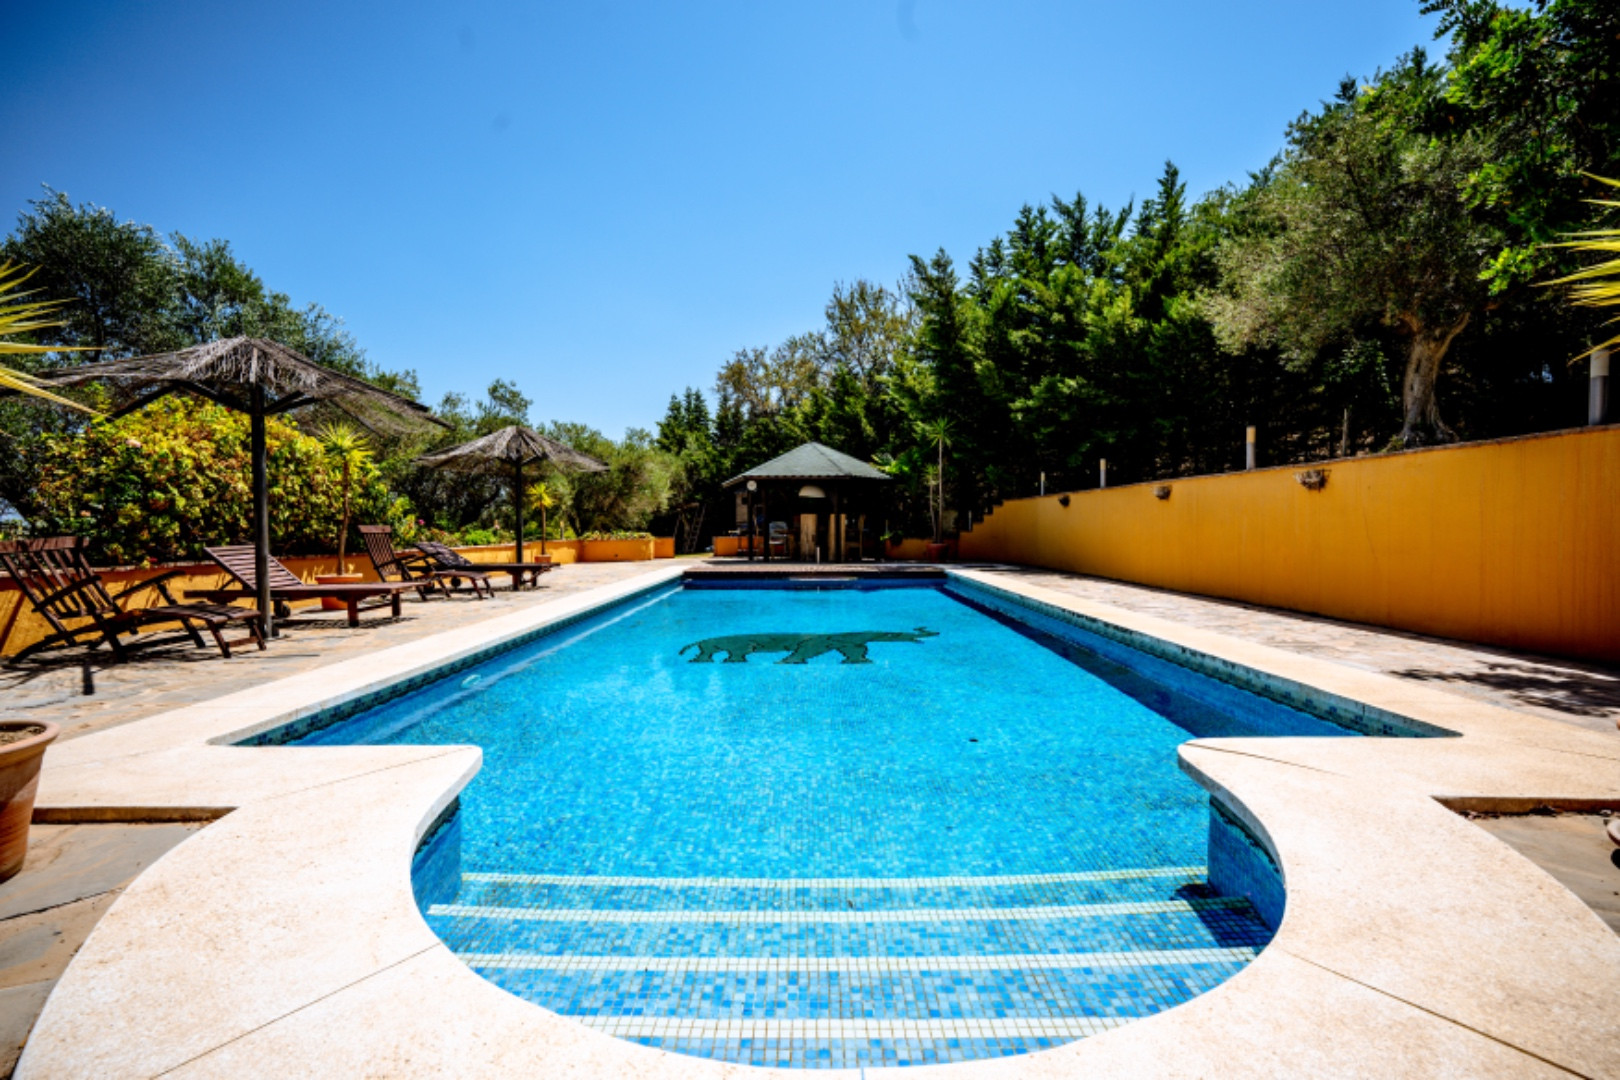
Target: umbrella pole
x: 261, y: 512
x: 519, y: 500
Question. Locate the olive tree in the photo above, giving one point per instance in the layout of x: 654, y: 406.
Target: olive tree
x: 1365, y: 222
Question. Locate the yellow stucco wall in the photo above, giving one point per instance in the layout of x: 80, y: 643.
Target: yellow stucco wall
x: 1514, y: 542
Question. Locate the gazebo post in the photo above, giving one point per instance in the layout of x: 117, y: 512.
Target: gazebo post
x: 261, y: 508
x: 835, y: 542
x: 518, y: 498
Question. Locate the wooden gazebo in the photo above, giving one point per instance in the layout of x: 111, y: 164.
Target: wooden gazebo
x: 812, y: 495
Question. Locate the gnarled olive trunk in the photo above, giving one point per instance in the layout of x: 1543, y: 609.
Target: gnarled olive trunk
x: 1422, y: 423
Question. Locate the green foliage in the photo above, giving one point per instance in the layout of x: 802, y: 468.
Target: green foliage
x: 637, y: 487
x: 616, y: 534
x: 159, y: 484
x: 1370, y: 275
x: 1366, y: 223
x: 134, y: 292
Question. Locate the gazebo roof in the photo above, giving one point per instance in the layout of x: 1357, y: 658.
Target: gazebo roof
x: 812, y: 461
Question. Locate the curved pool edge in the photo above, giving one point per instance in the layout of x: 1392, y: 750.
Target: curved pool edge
x: 1381, y: 965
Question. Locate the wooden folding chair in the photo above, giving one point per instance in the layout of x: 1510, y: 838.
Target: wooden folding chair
x: 56, y: 577
x: 417, y: 567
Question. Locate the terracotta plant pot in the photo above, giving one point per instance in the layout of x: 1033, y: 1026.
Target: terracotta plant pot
x: 937, y: 552
x: 20, y: 760
x: 329, y: 603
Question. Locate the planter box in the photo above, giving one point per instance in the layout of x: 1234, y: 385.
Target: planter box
x: 616, y: 550
x: 910, y: 549
x: 736, y: 545
x: 663, y: 547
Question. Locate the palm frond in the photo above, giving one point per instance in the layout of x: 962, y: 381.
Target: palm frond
x: 1597, y: 285
x: 19, y: 316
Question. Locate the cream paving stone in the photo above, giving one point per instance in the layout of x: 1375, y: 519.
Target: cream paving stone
x: 1390, y: 889
x: 205, y: 777
x: 261, y: 914
x: 432, y: 1017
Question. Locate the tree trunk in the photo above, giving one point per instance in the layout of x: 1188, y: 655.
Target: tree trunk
x: 343, y: 529
x: 1424, y: 359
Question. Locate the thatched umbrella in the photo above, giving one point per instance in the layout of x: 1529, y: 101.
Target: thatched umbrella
x: 512, y: 448
x: 261, y: 378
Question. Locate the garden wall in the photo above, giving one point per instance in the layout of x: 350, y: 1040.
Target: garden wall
x: 1514, y: 542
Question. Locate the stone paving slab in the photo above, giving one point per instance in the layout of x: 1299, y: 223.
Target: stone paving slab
x: 1571, y: 691
x: 176, y: 673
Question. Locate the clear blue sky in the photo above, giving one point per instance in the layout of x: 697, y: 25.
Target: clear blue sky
x: 603, y: 201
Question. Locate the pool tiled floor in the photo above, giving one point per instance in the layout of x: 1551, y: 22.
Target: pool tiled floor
x: 844, y: 973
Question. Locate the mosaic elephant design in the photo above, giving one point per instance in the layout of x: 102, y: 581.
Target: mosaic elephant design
x: 799, y: 647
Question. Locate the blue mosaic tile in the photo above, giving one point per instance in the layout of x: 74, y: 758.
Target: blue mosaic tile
x: 975, y: 844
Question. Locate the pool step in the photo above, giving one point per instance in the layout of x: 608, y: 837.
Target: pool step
x: 1231, y: 924
x: 940, y: 993
x: 847, y: 972
x: 862, y: 965
x: 796, y: 918
x: 843, y: 894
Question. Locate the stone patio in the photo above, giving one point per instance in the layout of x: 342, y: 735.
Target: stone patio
x: 1586, y: 695
x: 173, y: 673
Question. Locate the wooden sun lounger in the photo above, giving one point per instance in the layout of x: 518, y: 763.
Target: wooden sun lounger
x: 448, y: 558
x: 416, y: 567
x: 56, y: 577
x: 237, y: 561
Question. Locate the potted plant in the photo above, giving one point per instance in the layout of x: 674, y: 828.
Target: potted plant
x: 345, y: 447
x: 22, y: 751
x: 541, y: 499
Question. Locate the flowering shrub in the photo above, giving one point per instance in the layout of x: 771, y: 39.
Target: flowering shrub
x: 617, y: 534
x: 160, y: 483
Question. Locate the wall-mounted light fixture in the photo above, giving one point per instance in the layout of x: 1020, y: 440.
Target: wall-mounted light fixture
x: 1063, y: 500
x: 1312, y: 479
x: 1161, y: 491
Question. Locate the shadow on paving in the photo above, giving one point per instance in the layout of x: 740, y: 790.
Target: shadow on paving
x: 1592, y: 693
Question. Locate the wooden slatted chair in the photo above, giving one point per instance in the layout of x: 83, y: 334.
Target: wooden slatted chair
x: 446, y: 557
x: 417, y: 567
x: 237, y: 561
x: 56, y: 577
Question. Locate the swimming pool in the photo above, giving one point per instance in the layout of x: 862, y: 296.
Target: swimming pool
x: 838, y: 827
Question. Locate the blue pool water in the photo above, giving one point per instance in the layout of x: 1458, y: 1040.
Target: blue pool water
x: 975, y: 842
